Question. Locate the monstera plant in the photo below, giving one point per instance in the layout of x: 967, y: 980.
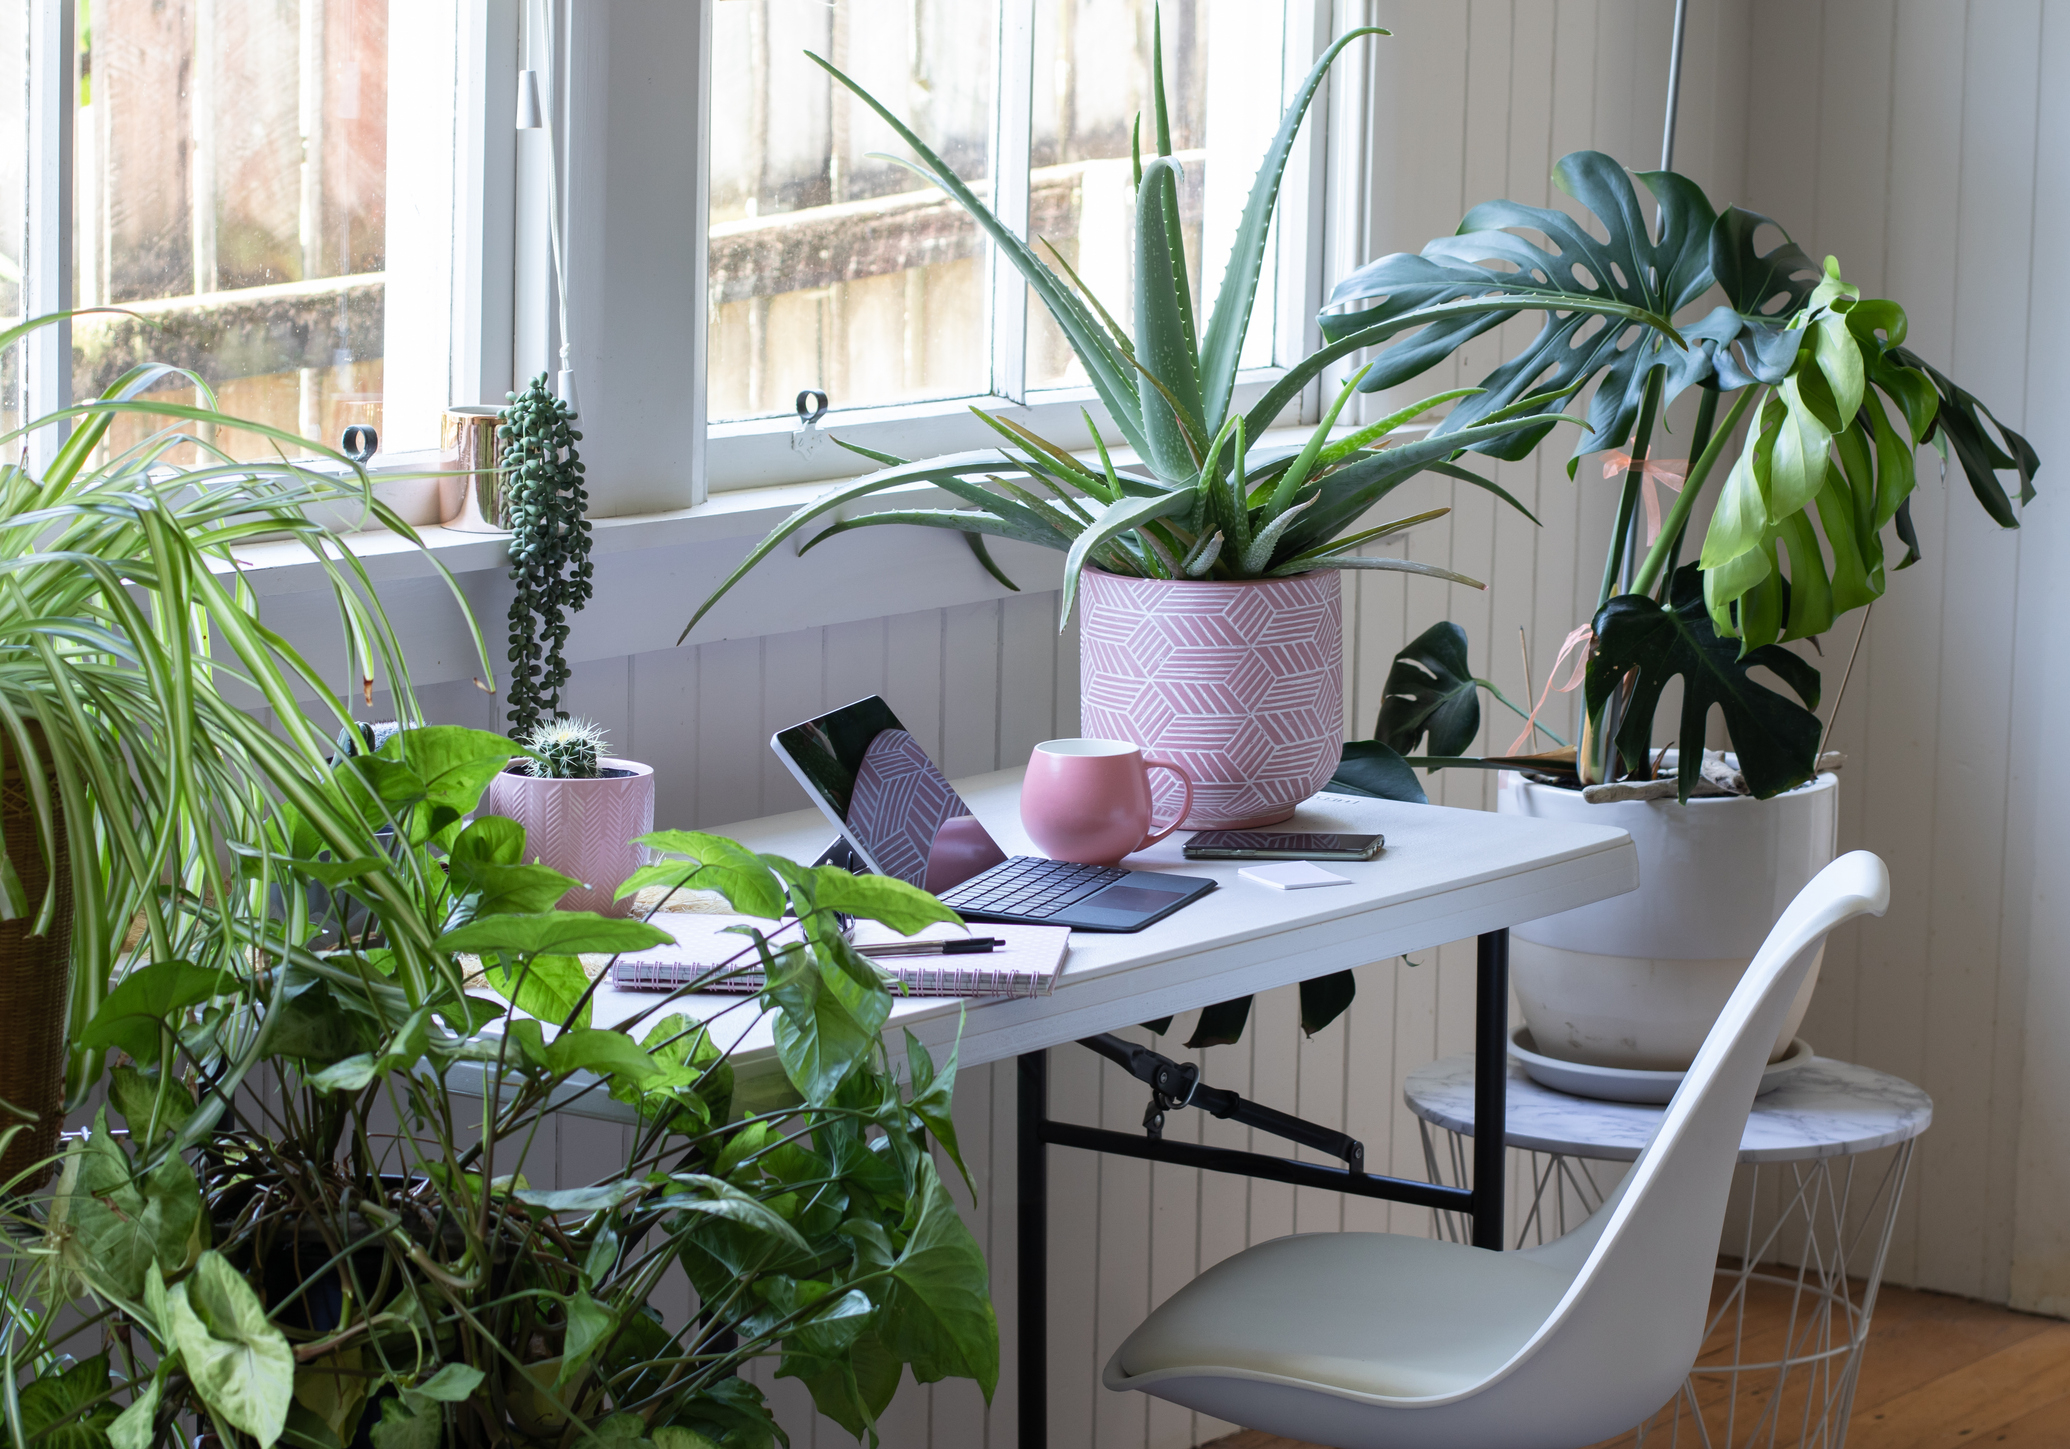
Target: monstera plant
x: 1836, y: 407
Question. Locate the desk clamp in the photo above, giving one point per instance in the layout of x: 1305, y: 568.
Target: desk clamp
x: 1177, y: 1084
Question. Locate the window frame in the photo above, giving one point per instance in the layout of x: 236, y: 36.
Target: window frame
x: 760, y: 452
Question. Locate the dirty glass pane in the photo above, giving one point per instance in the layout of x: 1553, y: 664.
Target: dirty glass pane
x: 232, y: 192
x: 1092, y: 80
x: 830, y: 269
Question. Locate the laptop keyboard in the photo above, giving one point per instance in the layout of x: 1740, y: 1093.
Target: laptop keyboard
x: 1030, y: 887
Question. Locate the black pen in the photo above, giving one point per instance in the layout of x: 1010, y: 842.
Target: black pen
x: 974, y: 946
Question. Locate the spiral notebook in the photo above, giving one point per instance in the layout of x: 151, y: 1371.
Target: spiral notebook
x: 1028, y: 964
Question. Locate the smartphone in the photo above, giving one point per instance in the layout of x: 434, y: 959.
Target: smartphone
x: 1269, y: 845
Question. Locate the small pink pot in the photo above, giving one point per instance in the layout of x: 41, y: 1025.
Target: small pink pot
x: 582, y: 828
x: 1239, y: 683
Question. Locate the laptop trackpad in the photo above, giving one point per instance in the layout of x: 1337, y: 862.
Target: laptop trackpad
x: 1130, y: 898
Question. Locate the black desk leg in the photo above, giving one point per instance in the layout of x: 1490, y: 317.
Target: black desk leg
x: 1490, y: 1087
x: 1031, y: 1280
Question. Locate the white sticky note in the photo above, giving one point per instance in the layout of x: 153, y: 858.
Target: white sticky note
x: 1292, y: 875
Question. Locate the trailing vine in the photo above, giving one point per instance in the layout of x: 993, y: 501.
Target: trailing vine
x: 549, y: 548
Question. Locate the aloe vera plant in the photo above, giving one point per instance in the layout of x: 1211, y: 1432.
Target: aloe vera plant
x: 1205, y: 500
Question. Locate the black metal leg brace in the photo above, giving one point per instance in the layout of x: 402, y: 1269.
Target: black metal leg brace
x: 1175, y: 1084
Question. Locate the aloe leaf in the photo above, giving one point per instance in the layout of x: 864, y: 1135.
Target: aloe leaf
x: 1373, y: 432
x: 1259, y: 553
x: 934, y: 471
x: 1109, y: 378
x: 1380, y: 565
x: 962, y: 520
x: 1064, y: 463
x: 1222, y: 347
x: 1121, y: 338
x: 1290, y: 481
x: 1114, y: 520
x: 1203, y: 557
x: 1162, y: 349
x: 1488, y: 485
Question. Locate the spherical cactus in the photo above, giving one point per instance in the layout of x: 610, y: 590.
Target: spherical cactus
x: 565, y: 749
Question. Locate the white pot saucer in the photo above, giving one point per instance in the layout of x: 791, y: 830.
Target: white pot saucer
x: 1623, y: 1084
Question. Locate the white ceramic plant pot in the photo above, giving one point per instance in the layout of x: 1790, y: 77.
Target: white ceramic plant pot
x: 582, y: 828
x: 1637, y: 981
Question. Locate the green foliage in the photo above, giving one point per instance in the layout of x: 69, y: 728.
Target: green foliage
x: 549, y: 548
x: 1838, y: 408
x: 564, y: 749
x: 300, y: 1272
x: 1208, y: 500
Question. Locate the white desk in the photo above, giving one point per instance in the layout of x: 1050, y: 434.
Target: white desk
x: 1445, y: 875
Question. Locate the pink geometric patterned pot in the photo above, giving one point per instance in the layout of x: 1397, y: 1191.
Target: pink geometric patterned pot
x: 1239, y: 683
x: 582, y: 828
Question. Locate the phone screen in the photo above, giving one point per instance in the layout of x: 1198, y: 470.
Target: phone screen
x: 1281, y: 845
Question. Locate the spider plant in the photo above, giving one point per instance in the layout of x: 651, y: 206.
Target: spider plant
x: 131, y: 649
x: 1205, y: 499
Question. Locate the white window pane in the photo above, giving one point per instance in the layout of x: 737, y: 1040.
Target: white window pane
x: 828, y: 269
x: 1092, y: 80
x: 233, y: 187
x: 14, y: 167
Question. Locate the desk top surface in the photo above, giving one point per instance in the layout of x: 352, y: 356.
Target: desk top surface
x: 1825, y: 1109
x: 1446, y: 874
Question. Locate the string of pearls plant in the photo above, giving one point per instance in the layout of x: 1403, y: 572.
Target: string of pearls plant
x: 549, y: 548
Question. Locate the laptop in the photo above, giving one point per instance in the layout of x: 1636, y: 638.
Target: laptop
x: 900, y: 816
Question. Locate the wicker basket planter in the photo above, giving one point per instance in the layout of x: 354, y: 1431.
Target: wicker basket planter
x: 35, y: 991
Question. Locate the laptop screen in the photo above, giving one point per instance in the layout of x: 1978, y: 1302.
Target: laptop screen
x: 873, y: 777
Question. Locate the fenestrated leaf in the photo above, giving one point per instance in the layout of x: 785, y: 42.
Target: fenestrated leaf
x: 1776, y: 738
x: 1628, y: 265
x: 938, y: 1311
x: 1369, y: 767
x: 239, y: 1363
x: 1961, y: 419
x: 1748, y: 338
x: 558, y: 932
x: 1430, y: 690
x: 60, y: 1407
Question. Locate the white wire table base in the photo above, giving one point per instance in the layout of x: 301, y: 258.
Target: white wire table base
x: 1832, y: 1218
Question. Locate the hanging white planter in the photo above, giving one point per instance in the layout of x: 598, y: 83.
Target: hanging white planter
x: 1636, y: 981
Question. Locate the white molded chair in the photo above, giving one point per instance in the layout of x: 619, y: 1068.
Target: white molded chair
x: 1379, y: 1341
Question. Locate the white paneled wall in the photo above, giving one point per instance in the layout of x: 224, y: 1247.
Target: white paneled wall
x: 1924, y: 144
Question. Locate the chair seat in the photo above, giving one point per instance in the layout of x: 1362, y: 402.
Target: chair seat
x: 1375, y: 1315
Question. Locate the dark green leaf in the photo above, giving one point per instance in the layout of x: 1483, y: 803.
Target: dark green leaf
x: 1221, y: 1024
x: 1326, y: 998
x: 61, y: 1407
x: 1431, y: 689
x: 1371, y: 768
x: 146, y: 999
x: 1776, y: 738
x: 934, y: 1100
x: 938, y: 1311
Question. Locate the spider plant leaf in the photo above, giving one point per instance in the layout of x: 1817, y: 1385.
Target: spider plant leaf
x: 1113, y: 521
x: 1297, y: 473
x: 1171, y: 418
x: 1487, y: 256
x: 1222, y: 346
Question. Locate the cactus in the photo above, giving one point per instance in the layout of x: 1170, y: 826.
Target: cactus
x: 565, y: 749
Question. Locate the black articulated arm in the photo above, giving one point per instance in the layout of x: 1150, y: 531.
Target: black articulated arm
x: 1178, y: 1084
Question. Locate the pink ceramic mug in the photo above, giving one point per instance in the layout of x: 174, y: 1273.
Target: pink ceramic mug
x: 1089, y: 800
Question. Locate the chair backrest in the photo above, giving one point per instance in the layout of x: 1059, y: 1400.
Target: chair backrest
x: 1632, y: 1323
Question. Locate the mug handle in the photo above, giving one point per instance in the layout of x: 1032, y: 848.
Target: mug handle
x: 1185, y: 805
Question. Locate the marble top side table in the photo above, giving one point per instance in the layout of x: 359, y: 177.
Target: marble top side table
x: 1820, y: 1244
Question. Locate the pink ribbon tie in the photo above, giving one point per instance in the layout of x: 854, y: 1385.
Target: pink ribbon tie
x: 1666, y: 472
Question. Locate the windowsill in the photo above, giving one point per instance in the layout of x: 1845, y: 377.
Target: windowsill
x: 284, y: 567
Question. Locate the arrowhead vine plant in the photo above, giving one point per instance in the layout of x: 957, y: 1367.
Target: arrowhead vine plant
x: 1835, y: 406
x: 366, y: 1248
x: 1204, y: 499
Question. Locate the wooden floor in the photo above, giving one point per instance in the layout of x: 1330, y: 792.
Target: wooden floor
x: 1939, y: 1373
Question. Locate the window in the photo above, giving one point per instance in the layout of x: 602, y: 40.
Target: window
x: 239, y: 190
x: 832, y: 270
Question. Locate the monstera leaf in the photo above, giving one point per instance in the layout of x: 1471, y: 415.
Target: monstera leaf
x: 1483, y: 259
x: 1748, y: 337
x: 1776, y: 738
x: 1431, y: 689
